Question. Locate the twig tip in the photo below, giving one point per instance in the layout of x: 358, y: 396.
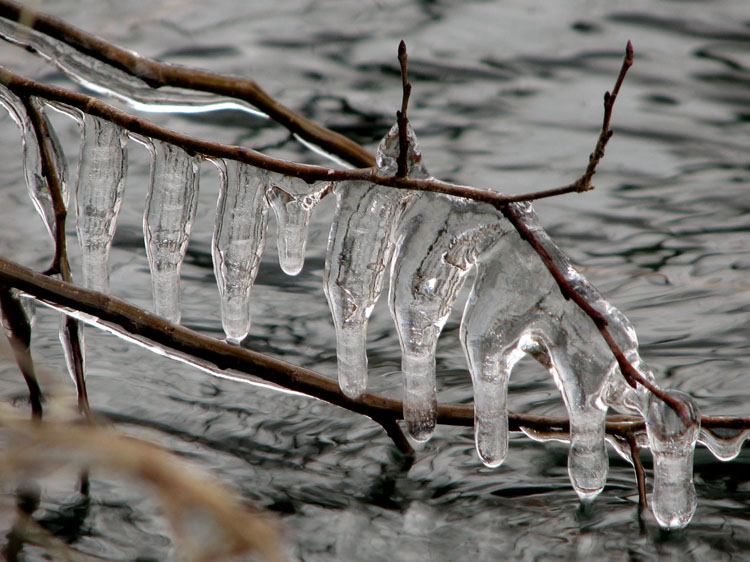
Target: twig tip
x: 401, y: 49
x: 629, y: 52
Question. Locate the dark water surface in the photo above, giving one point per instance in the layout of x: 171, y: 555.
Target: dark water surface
x: 506, y: 94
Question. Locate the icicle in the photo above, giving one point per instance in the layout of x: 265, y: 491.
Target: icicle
x: 672, y: 445
x: 170, y: 208
x: 293, y: 201
x: 106, y: 79
x: 101, y: 181
x: 238, y: 242
x: 436, y: 242
x: 515, y: 307
x: 32, y: 162
x: 724, y: 444
x: 360, y: 248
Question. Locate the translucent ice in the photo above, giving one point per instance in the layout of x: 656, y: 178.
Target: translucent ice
x: 360, y: 248
x: 724, y: 444
x: 238, y: 242
x: 170, y: 208
x: 32, y: 163
x: 672, y: 444
x: 106, y: 79
x: 515, y: 307
x: 102, y: 167
x: 293, y: 201
x: 359, y: 253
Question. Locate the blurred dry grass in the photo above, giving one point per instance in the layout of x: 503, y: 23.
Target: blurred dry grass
x: 208, y: 521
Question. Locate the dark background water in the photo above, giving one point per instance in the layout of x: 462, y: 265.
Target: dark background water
x: 506, y: 95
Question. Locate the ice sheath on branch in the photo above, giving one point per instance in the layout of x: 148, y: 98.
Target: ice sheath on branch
x: 502, y: 203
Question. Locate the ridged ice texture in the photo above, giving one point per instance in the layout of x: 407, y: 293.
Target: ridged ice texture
x: 105, y: 79
x: 238, y: 242
x: 32, y: 163
x: 102, y: 167
x: 672, y: 445
x: 293, y: 201
x: 360, y: 249
x: 515, y: 307
x: 170, y: 208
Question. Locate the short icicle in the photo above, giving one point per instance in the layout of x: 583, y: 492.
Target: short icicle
x: 239, y: 241
x: 170, y: 209
x: 293, y: 201
x: 672, y: 445
x: 101, y: 181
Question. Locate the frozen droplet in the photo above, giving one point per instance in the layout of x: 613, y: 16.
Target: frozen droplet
x: 101, y: 180
x: 238, y: 242
x: 36, y: 182
x: 293, y: 201
x: 724, y: 444
x: 672, y: 445
x: 170, y: 208
x: 359, y: 253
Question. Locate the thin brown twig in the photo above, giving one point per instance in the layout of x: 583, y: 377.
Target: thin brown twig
x: 18, y: 330
x: 606, y: 133
x: 401, y: 118
x: 640, y: 473
x: 71, y: 328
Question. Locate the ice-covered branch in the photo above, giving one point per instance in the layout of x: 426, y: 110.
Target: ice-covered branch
x: 241, y: 364
x: 89, y: 105
x: 158, y: 74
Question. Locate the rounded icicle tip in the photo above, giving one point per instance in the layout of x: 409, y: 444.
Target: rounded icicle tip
x: 672, y: 443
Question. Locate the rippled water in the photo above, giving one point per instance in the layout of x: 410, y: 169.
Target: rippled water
x: 508, y: 95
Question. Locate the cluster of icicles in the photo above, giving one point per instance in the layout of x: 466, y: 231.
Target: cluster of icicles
x: 427, y: 242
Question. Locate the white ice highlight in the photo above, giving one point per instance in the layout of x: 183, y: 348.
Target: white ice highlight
x: 105, y: 79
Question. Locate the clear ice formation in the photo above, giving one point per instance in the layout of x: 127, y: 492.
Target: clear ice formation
x: 293, y: 201
x: 238, y: 242
x: 170, y: 208
x: 36, y: 183
x: 102, y: 167
x: 672, y: 444
x: 106, y: 79
x: 360, y: 248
